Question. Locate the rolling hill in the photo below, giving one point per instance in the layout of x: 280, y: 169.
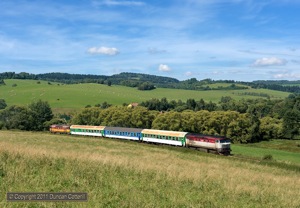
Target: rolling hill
x: 63, y: 97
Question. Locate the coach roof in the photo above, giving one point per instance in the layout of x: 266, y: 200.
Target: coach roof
x: 164, y: 132
x: 123, y: 129
x: 87, y: 127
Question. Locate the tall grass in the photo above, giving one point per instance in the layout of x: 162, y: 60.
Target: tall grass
x: 128, y: 174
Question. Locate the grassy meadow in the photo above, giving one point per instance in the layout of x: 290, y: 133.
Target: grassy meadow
x: 118, y: 173
x: 259, y: 152
x: 72, y: 97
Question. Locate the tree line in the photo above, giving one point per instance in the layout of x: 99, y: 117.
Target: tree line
x: 242, y: 121
x: 240, y: 127
x: 35, y: 117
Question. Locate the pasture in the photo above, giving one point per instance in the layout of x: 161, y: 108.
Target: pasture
x: 73, y: 97
x: 118, y: 173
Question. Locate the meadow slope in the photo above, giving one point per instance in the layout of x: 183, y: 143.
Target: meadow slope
x: 76, y: 96
x: 118, y: 173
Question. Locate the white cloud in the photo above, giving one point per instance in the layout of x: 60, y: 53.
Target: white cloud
x: 188, y: 73
x: 103, y: 50
x: 164, y: 68
x: 271, y: 61
x: 287, y: 76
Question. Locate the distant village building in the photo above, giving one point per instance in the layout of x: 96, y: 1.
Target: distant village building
x: 132, y: 105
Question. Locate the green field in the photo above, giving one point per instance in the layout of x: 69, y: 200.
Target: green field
x: 118, y: 173
x: 278, y: 155
x: 69, y: 97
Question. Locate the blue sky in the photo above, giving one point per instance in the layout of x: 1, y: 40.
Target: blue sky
x: 242, y: 40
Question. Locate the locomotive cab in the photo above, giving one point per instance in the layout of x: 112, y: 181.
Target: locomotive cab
x: 223, y: 145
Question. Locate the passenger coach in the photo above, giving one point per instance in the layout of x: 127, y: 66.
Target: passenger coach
x: 87, y: 130
x: 176, y: 138
x: 123, y: 133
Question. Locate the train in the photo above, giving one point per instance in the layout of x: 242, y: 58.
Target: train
x: 57, y: 128
x: 208, y: 143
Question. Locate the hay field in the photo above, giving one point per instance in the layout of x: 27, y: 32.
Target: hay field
x: 118, y: 173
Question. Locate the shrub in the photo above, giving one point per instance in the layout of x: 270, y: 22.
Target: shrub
x: 267, y: 157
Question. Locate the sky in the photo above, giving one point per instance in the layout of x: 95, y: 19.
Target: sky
x: 242, y: 40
